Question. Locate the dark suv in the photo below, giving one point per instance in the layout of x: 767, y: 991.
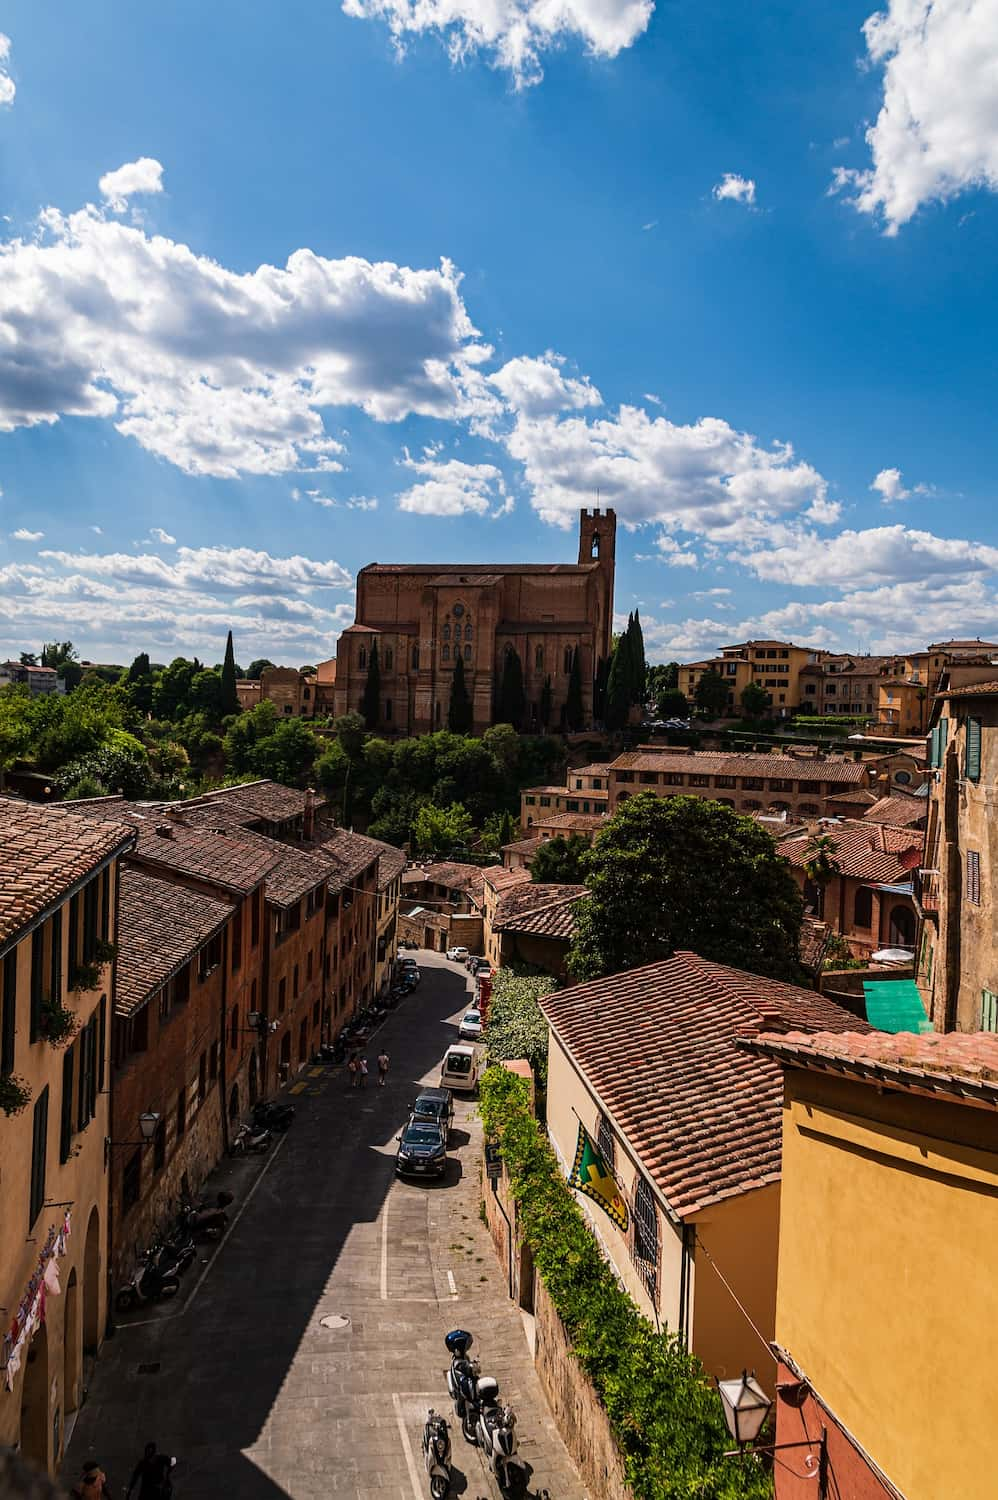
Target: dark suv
x: 422, y: 1149
x: 436, y: 1105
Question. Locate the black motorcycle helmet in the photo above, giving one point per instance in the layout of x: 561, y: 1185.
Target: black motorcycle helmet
x: 458, y: 1341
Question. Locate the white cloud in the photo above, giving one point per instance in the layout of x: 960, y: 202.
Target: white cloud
x: 711, y: 593
x: 157, y: 534
x: 450, y: 487
x: 823, y: 512
x: 735, y: 189
x: 937, y: 131
x: 22, y: 534
x: 652, y: 224
x: 705, y: 478
x: 537, y: 387
x: 135, y: 177
x: 8, y: 88
x: 207, y: 567
x: 512, y: 34
x: 220, y: 372
x: 675, y: 555
x: 889, y: 485
x: 362, y: 502
x: 879, y: 555
x: 97, y: 530
x: 318, y: 498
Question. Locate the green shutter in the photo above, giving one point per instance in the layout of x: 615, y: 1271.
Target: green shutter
x: 989, y: 1010
x: 972, y: 750
x: 934, y: 746
x: 943, y: 738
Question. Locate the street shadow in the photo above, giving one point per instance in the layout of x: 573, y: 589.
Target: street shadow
x: 222, y: 1365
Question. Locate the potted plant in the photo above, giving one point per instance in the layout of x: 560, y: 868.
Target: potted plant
x: 57, y: 1024
x: 105, y: 952
x: 85, y: 976
x: 14, y: 1094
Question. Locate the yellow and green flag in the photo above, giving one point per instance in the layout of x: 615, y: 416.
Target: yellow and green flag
x: 591, y: 1175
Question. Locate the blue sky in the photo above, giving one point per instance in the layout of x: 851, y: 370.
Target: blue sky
x: 285, y: 290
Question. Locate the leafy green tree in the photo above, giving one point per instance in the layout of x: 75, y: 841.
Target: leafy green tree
x: 711, y: 695
x: 71, y: 674
x: 616, y: 708
x: 206, y: 694
x: 459, y: 710
x: 246, y: 732
x: 574, y: 711
x: 370, y: 704
x: 754, y: 700
x: 636, y: 660
x: 350, y: 731
x: 516, y: 1025
x: 659, y: 679
x: 511, y: 701
x: 505, y: 747
x: 546, y: 705
x: 671, y: 704
x: 29, y: 659
x: 499, y: 829
x: 256, y: 669
x: 561, y: 861
x: 55, y: 653
x: 15, y: 726
x: 308, y: 669
x: 681, y: 872
x: 393, y: 815
x: 599, y: 689
x: 139, y: 683
x: 228, y: 695
x: 172, y: 695
x: 287, y: 754
x: 122, y: 768
x: 439, y: 829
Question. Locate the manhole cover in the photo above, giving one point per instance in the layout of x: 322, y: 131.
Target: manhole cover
x: 334, y: 1320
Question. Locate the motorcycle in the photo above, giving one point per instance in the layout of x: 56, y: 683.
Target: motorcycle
x: 462, y: 1381
x: 496, y: 1434
x: 203, y: 1222
x: 330, y: 1052
x: 178, y: 1249
x: 271, y: 1114
x: 153, y: 1280
x: 436, y: 1454
x: 250, y: 1138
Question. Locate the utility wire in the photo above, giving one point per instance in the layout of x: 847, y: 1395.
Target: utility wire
x: 734, y: 1297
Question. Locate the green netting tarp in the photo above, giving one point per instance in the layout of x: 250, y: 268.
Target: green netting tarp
x: 895, y: 1005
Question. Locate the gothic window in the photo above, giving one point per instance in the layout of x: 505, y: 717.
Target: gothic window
x: 362, y: 657
x: 415, y: 658
x: 446, y: 632
x: 467, y: 631
x: 445, y: 653
x: 467, y: 653
x: 595, y: 547
x: 458, y: 611
x: 538, y: 657
x: 388, y: 659
x: 568, y: 659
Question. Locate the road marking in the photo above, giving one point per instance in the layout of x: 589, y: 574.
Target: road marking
x: 384, y: 1252
x: 410, y: 1461
x: 297, y: 1088
x: 452, y: 1283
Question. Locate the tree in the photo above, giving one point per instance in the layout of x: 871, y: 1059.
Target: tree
x: 459, y: 710
x: 140, y: 668
x: 574, y: 711
x: 660, y: 678
x: 71, y: 674
x: 672, y: 705
x: 561, y: 861
x: 616, y: 709
x: 499, y: 829
x: 599, y: 689
x: 516, y: 1026
x: 350, y: 732
x: 256, y: 669
x: 636, y: 660
x: 711, y: 695
x: 229, y: 696
x: 511, y: 702
x: 287, y: 754
x: 754, y: 700
x: 370, y: 704
x: 139, y: 683
x: 546, y: 705
x: 679, y: 872
x: 29, y: 659
x: 54, y: 653
x: 820, y: 862
x: 439, y: 829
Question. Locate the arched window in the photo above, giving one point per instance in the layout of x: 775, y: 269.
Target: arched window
x: 388, y: 709
x: 362, y: 657
x: 902, y: 929
x: 467, y: 653
x: 415, y: 658
x: 606, y: 1143
x: 445, y: 653
x: 595, y: 547
x: 446, y: 632
x: 467, y: 631
x: 388, y: 659
x: 567, y: 661
x: 644, y: 1249
x: 751, y: 805
x: 862, y: 911
x: 538, y: 657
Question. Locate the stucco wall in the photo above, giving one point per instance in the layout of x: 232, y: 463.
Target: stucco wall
x: 741, y: 1238
x: 887, y: 1297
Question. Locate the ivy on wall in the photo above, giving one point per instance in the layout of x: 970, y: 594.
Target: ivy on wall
x: 666, y: 1419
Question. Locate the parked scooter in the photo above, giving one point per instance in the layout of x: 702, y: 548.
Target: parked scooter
x: 496, y: 1433
x: 462, y: 1381
x: 178, y: 1249
x: 250, y: 1138
x: 271, y: 1114
x: 436, y: 1454
x: 330, y: 1052
x: 203, y: 1221
x: 153, y: 1280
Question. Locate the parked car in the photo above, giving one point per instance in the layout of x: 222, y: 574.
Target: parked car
x: 408, y: 980
x: 474, y: 963
x: 484, y: 972
x: 471, y: 1026
x: 460, y: 1068
x: 457, y: 955
x: 422, y: 1149
x: 436, y: 1105
x: 408, y: 963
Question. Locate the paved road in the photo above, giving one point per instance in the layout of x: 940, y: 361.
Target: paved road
x: 257, y: 1398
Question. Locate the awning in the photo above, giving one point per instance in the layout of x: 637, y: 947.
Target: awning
x: 895, y: 1005
x: 905, y: 888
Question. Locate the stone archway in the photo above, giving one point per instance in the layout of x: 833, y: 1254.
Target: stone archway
x: 35, y: 1401
x: 71, y: 1346
x: 91, y: 1285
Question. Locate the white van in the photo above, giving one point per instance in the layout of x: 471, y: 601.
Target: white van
x: 460, y: 1069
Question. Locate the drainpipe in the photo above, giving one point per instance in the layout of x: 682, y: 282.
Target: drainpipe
x: 689, y: 1236
x: 952, y: 880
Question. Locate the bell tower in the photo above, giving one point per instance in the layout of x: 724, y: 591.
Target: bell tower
x: 597, y: 544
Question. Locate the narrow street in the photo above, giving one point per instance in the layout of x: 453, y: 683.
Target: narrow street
x: 243, y: 1383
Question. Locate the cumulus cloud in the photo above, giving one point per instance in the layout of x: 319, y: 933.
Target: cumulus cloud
x: 157, y: 534
x: 512, y: 34
x: 717, y: 593
x: 937, y: 131
x: 675, y: 555
x: 224, y: 372
x: 143, y: 177
x: 538, y: 388
x: 219, y: 568
x: 735, y: 189
x: 8, y: 88
x: 450, y: 487
x: 823, y: 512
x: 877, y: 555
x: 22, y: 534
x: 890, y: 487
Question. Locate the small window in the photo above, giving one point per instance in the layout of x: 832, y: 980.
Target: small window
x: 972, y: 750
x: 362, y: 657
x: 863, y: 907
x: 131, y: 1181
x: 282, y: 995
x: 606, y: 1143
x: 467, y: 653
x: 446, y: 632
x: 445, y: 654
x: 989, y: 1010
x: 294, y: 983
x: 645, y: 1243
x: 237, y: 939
x: 389, y: 658
x: 467, y: 631
x: 234, y: 1027
x: 39, y: 1151
x: 415, y: 658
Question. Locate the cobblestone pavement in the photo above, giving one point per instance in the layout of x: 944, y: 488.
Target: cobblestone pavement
x: 243, y: 1382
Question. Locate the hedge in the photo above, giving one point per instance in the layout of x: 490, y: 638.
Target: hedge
x: 516, y: 1026
x: 667, y: 1421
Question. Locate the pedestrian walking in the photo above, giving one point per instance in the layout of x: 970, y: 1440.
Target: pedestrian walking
x: 353, y: 1068
x: 152, y: 1475
x: 383, y: 1062
x: 362, y: 1072
x: 94, y: 1483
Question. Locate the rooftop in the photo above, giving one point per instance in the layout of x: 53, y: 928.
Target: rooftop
x: 971, y: 690
x: 161, y: 926
x: 43, y: 852
x: 451, y: 573
x: 657, y: 1045
x: 541, y: 910
x: 252, y: 802
x: 900, y: 810
x: 525, y: 847
x: 455, y: 877
x: 225, y: 858
x: 862, y: 851
x: 958, y: 1064
x: 584, y: 822
x: 598, y: 768
x: 734, y: 763
x: 500, y: 880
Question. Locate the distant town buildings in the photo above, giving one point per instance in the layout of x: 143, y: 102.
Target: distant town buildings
x: 38, y: 680
x: 294, y: 693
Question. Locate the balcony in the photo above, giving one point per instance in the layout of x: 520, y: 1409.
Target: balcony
x: 928, y: 889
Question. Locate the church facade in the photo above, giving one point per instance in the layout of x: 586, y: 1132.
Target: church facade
x: 424, y: 615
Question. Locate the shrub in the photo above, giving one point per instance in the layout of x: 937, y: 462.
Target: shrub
x: 516, y: 1026
x: 57, y: 1024
x: 15, y: 1094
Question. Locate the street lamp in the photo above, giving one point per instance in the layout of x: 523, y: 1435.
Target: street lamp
x: 148, y: 1122
x: 746, y: 1407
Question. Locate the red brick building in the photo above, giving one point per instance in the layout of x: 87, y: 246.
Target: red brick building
x: 869, y: 899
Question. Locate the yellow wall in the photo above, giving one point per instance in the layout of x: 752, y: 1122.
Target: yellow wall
x: 887, y: 1296
x: 741, y: 1236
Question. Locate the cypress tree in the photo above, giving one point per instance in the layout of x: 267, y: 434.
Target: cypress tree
x: 459, y: 710
x: 511, y: 701
x: 638, y: 670
x: 546, y: 704
x: 230, y: 698
x: 370, y: 704
x: 574, y: 711
x: 618, y: 686
x: 599, y: 689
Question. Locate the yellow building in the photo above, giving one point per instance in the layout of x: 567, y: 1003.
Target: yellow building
x: 58, y: 928
x: 887, y: 1301
x: 774, y: 665
x: 646, y: 1061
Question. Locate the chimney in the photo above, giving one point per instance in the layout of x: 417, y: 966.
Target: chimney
x: 308, y: 821
x: 164, y: 830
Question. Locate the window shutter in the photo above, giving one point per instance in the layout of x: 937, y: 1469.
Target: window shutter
x: 8, y: 1015
x: 66, y: 1125
x: 39, y: 1149
x: 101, y: 1041
x: 934, y: 747
x: 989, y: 1011
x: 56, y: 966
x: 973, y: 877
x: 972, y: 750
x: 37, y: 959
x: 943, y: 739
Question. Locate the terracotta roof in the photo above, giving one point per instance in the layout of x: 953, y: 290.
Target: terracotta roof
x: 814, y: 936
x: 588, y: 822
x: 859, y: 798
x: 657, y: 1045
x: 161, y: 925
x: 596, y: 769
x: 295, y: 871
x: 349, y: 854
x: 721, y: 763
x: 971, y: 690
x: 862, y: 851
x: 252, y: 802
x: 224, y: 858
x: 975, y: 645
x: 456, y: 877
x: 468, y: 569
x: 552, y: 917
x: 899, y: 811
x: 960, y: 1064
x: 358, y: 629
x: 554, y: 791
x: 44, y: 851
x: 529, y: 897
x: 390, y: 865
x: 526, y: 847
x: 499, y: 879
